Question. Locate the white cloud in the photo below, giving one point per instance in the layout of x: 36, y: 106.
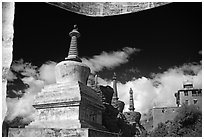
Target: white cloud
x: 47, y: 72
x: 109, y: 60
x: 24, y: 68
x: 22, y: 107
x: 36, y: 79
x: 10, y: 76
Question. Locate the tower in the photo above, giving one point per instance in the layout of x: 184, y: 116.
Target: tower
x: 115, y: 93
x: 131, y: 105
x: 69, y: 103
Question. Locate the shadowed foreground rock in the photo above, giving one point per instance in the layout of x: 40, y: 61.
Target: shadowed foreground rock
x: 113, y: 118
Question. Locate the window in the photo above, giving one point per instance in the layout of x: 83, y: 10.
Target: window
x: 185, y: 93
x: 186, y: 102
x: 195, y: 101
x: 199, y: 92
x: 194, y: 93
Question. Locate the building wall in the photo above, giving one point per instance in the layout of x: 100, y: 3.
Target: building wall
x: 191, y: 96
x: 163, y: 114
x: 147, y: 120
x: 147, y: 124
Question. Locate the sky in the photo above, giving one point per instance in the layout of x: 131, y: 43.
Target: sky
x: 152, y: 51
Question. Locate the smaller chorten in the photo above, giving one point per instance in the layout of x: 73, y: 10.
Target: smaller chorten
x: 132, y: 116
x: 96, y: 81
x: 115, y: 92
x: 131, y: 105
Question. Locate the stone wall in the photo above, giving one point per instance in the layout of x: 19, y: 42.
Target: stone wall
x: 106, y: 8
x: 50, y: 132
x: 163, y: 114
x: 7, y: 47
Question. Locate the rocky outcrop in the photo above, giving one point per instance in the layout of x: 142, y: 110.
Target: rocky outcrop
x: 113, y: 118
x: 133, y: 117
x: 107, y: 94
x: 134, y: 120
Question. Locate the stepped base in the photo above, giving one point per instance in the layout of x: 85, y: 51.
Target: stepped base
x: 54, y: 132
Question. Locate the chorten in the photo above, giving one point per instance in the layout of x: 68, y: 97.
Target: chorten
x: 131, y: 105
x: 69, y: 103
x: 69, y: 107
x: 115, y: 92
x: 132, y: 116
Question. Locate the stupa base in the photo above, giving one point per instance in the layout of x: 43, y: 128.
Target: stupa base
x: 56, y: 132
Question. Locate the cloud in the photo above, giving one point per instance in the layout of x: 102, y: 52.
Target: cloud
x: 24, y: 68
x: 159, y: 90
x: 22, y: 107
x: 36, y: 79
x: 109, y: 60
x: 100, y: 81
x: 10, y: 76
x: 47, y: 72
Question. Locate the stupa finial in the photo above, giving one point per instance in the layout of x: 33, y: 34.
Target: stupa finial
x: 75, y: 27
x: 73, y: 50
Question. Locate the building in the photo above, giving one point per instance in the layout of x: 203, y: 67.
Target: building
x: 187, y: 95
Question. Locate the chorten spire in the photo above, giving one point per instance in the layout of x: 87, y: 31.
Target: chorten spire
x: 72, y: 70
x: 73, y: 51
x: 131, y: 105
x: 115, y: 94
x: 96, y: 81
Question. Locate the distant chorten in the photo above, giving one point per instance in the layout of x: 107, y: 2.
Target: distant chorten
x: 115, y: 94
x: 131, y: 105
x: 132, y: 116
